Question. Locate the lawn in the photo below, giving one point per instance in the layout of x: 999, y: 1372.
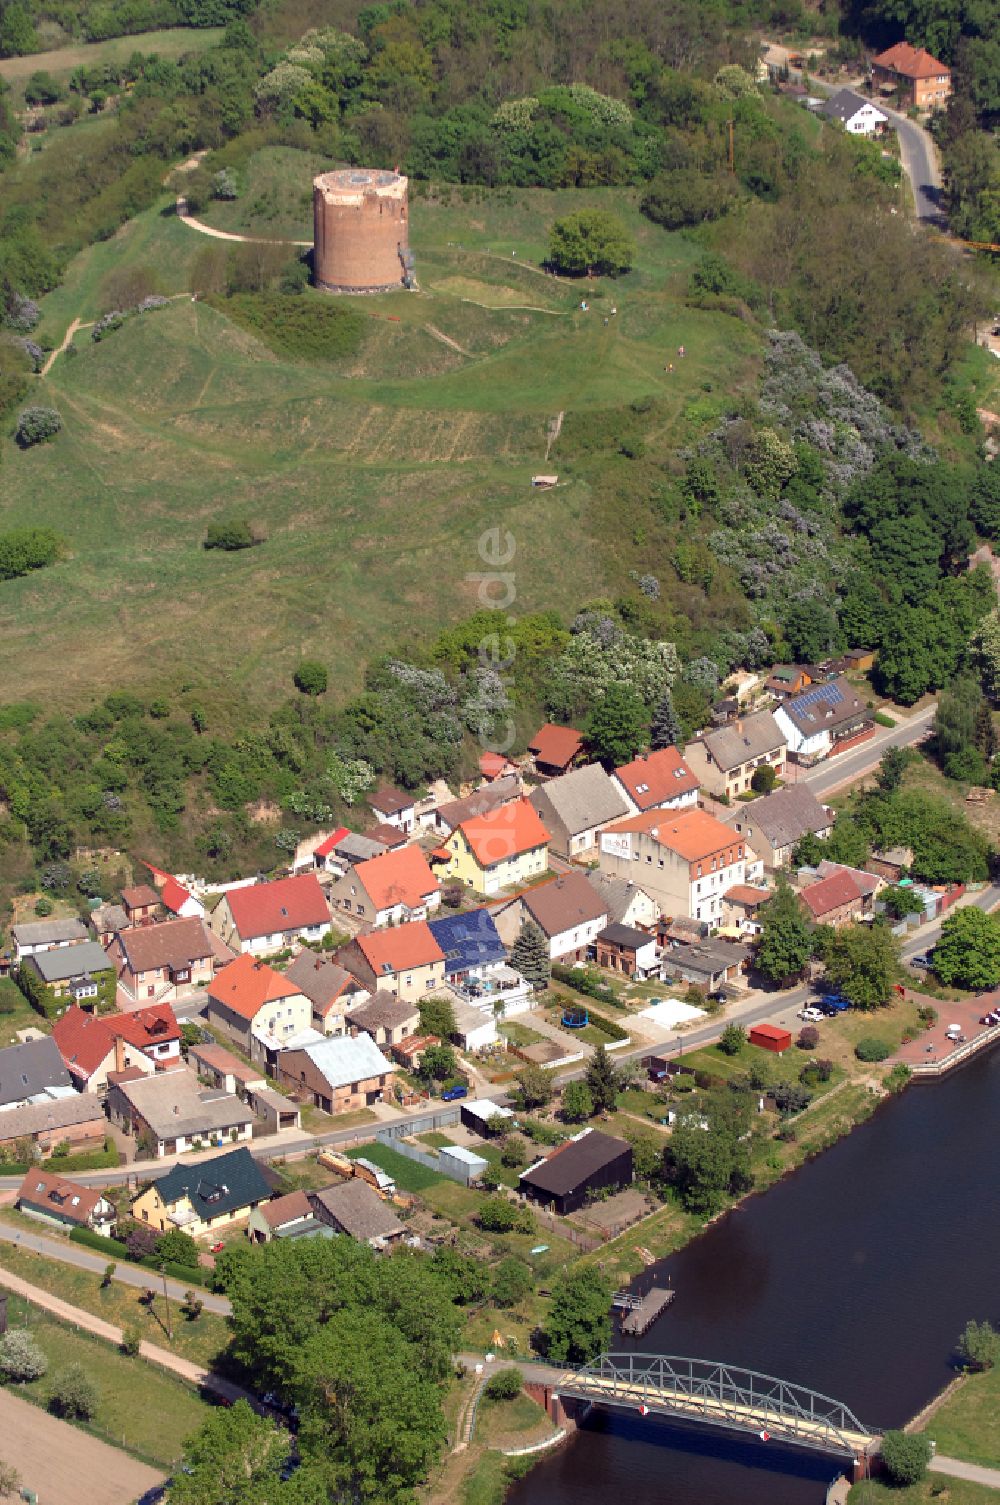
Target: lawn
x: 373, y: 475
x: 407, y: 1174
x: 934, y: 1487
x: 434, y: 1139
x: 512, y: 1423
x: 520, y: 1034
x: 201, y: 1341
x: 142, y: 1408
x: 16, y: 1013
x: 968, y: 1424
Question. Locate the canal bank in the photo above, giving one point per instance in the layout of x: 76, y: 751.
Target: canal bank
x: 854, y: 1275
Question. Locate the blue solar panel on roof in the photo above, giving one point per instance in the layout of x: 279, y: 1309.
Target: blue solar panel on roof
x: 832, y: 694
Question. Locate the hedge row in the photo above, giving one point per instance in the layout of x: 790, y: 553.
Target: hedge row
x: 587, y: 983
x: 610, y: 1028
x: 96, y: 1160
x: 193, y: 1274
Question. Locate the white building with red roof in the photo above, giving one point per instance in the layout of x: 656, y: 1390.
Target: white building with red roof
x: 659, y: 780
x: 267, y: 917
x: 177, y: 900
x: 256, y: 1006
x: 389, y: 890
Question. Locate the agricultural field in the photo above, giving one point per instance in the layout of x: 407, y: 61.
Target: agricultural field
x: 372, y: 474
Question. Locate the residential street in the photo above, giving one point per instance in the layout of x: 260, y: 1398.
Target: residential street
x: 919, y: 157
x: 827, y: 777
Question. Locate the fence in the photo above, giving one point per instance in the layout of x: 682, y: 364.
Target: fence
x: 440, y: 1119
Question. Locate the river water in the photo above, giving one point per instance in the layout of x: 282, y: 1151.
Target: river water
x: 853, y: 1276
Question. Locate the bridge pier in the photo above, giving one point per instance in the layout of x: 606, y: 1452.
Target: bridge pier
x: 563, y: 1411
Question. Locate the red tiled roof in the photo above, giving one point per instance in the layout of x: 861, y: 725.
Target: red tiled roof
x: 285, y: 904
x: 745, y: 893
x: 57, y: 1194
x: 655, y: 777
x: 287, y: 1209
x: 174, y: 895
x: 84, y: 1041
x: 404, y: 946
x: 492, y: 765
x: 910, y: 62
x: 139, y: 897
x: 389, y: 801
x: 504, y: 832
x: 326, y: 847
x: 247, y: 985
x: 389, y: 836
x: 145, y: 1027
x: 692, y: 834
x: 831, y: 893
x: 556, y: 745
x: 399, y: 877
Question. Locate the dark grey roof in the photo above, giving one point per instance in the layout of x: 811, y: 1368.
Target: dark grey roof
x: 825, y: 707
x: 50, y: 932
x: 569, y: 1166
x: 383, y: 1011
x: 356, y: 1209
x: 581, y: 799
x: 784, y: 816
x: 359, y: 848
x: 615, y: 894
x: 70, y: 961
x: 226, y: 1184
x: 319, y: 977
x: 49, y: 1115
x: 624, y: 935
x: 748, y: 737
x: 31, y: 1069
x: 844, y: 105
x: 481, y: 802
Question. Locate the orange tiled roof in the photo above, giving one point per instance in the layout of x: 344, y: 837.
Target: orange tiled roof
x: 246, y: 985
x: 505, y: 832
x: 910, y: 62
x: 397, y: 949
x: 692, y: 834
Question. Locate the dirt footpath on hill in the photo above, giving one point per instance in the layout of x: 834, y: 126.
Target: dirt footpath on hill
x: 62, y: 1464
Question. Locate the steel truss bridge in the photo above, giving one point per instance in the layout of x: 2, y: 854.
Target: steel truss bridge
x: 721, y: 1395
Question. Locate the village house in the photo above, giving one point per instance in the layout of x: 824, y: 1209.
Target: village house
x: 388, y: 890
x: 163, y: 962
x: 626, y: 903
x: 475, y: 1027
x: 630, y: 952
x: 575, y: 806
x: 892, y: 865
x: 393, y: 808
x: 257, y: 1007
x: 912, y: 73
x: 555, y: 749
x: 686, y: 859
x: 725, y: 760
x: 835, y: 900
x: 388, y: 837
x: 268, y: 917
x: 567, y: 911
x: 286, y: 1217
x: 498, y: 766
x: 329, y: 987
x: 505, y: 848
x: 178, y: 901
x: 387, y: 1019
x: 219, y: 1067
x: 404, y: 960
x: 775, y: 824
x: 174, y: 1112
x: 343, y: 849
x: 76, y: 1121
x: 204, y: 1198
x: 67, y: 1204
x: 473, y: 949
x: 741, y: 909
x: 858, y: 116
x: 46, y: 935
x: 588, y: 1163
x: 706, y: 964
x: 338, y: 1075
x: 353, y: 1208
x: 821, y: 720
x: 659, y: 780
x: 106, y: 921
x: 92, y: 1045
x: 785, y: 680
x: 482, y: 801
x: 73, y: 970
x: 33, y: 1073
x: 141, y: 904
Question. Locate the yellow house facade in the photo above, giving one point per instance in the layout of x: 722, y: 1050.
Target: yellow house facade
x: 505, y: 848
x: 201, y: 1199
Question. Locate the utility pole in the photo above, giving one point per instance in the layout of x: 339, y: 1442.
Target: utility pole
x: 166, y: 1303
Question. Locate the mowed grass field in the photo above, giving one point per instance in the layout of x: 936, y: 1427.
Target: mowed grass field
x: 373, y: 476
x: 60, y: 62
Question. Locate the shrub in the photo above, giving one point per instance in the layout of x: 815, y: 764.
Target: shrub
x: 230, y: 536
x: 871, y: 1048
x: 506, y: 1384
x: 131, y: 1341
x: 979, y: 1345
x: 35, y: 425
x: 881, y: 719
x: 513, y: 1153
x: 24, y: 549
x: 512, y: 1280
x: 73, y: 1394
x: 808, y: 1037
x: 896, y: 1079
x: 732, y: 1039
x: 21, y: 1359
x: 790, y: 1097
x: 140, y: 1242
x: 311, y: 677
x: 110, y: 322
x: 497, y: 1215
x: 927, y: 1015
x: 43, y: 907
x: 906, y: 1456
x: 177, y: 1246
x: 764, y: 779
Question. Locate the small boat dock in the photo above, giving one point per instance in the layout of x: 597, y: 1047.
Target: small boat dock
x: 642, y: 1311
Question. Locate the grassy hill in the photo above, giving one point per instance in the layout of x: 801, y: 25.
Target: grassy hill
x: 373, y: 475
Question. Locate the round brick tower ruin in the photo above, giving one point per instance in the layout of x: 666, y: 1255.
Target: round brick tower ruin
x: 360, y: 231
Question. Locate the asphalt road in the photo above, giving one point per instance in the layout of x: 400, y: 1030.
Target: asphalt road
x: 849, y: 766
x: 919, y: 157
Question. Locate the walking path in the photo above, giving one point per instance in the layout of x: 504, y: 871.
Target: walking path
x: 66, y: 342
x: 185, y: 1369
x: 129, y: 1275
x: 974, y: 1473
x: 184, y: 213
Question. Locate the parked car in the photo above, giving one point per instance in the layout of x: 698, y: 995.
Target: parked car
x: 811, y: 1015
x: 991, y: 1019
x: 832, y: 1003
x: 921, y: 961
x: 452, y: 1094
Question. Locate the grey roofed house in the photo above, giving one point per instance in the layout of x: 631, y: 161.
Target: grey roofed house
x: 825, y: 707
x: 625, y: 935
x: 579, y: 801
x: 353, y: 847
x: 616, y: 894
x: 784, y: 817
x: 175, y: 1105
x: 383, y: 1011
x: 320, y: 978
x: 41, y: 933
x: 50, y: 1116
x: 108, y: 917
x: 750, y: 737
x: 35, y: 1070
x: 352, y: 1207
x: 343, y: 1060
x: 65, y: 962
x: 481, y: 802
x: 563, y: 903
x: 844, y: 105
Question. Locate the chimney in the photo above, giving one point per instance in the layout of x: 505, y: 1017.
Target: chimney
x: 739, y: 727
